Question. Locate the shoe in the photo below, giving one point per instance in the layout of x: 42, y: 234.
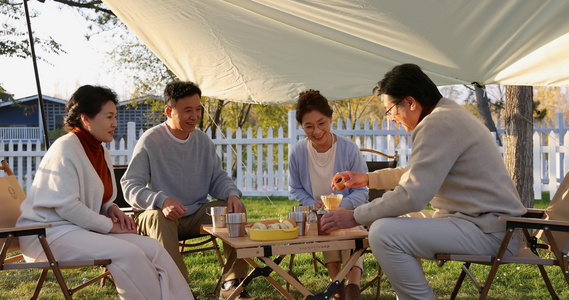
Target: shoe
x: 224, y: 294
x: 353, y: 292
x: 340, y: 292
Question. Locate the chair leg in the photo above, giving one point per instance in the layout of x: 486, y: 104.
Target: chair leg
x: 213, y: 240
x: 224, y: 270
x: 217, y: 252
x: 496, y: 263
x: 377, y: 279
x: 39, y: 284
x: 100, y: 278
x: 548, y: 282
x: 561, y: 258
x: 315, y: 262
x: 105, y: 276
x: 55, y: 268
x: 290, y: 272
x: 217, y: 285
x: 465, y: 268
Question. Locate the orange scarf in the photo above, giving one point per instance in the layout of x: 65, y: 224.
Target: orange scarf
x: 94, y: 150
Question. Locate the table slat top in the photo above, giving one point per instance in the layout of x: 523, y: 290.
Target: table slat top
x: 310, y: 237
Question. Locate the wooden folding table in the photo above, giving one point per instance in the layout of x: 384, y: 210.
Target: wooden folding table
x: 247, y: 249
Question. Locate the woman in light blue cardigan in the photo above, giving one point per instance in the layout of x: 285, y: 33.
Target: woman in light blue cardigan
x: 349, y: 158
x: 312, y: 164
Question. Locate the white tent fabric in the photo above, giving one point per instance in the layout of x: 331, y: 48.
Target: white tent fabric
x: 267, y: 51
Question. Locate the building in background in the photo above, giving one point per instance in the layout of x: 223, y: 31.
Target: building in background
x: 20, y: 120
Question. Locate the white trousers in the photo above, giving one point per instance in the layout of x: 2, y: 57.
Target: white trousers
x: 141, y: 267
x: 397, y: 242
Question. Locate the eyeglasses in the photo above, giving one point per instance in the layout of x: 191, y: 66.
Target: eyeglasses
x: 387, y: 112
x: 322, y: 125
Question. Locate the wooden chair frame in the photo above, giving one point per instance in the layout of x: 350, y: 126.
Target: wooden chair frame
x: 16, y: 261
x: 394, y: 156
x: 528, y: 255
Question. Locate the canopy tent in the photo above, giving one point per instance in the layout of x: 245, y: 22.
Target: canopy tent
x: 267, y: 51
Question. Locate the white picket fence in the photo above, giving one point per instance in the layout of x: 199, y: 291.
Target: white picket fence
x: 260, y: 159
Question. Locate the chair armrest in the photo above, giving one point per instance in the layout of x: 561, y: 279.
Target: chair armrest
x: 534, y: 213
x: 131, y: 209
x: 23, y: 230
x: 537, y: 223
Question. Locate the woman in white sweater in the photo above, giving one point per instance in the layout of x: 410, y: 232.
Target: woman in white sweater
x: 74, y: 189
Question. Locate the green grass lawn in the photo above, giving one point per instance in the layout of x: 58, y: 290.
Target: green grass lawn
x: 512, y: 282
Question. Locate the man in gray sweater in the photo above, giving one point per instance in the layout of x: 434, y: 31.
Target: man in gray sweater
x: 455, y: 166
x: 173, y: 170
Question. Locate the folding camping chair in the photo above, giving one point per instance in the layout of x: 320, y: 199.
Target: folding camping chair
x: 373, y: 165
x: 546, y: 247
x: 11, y: 195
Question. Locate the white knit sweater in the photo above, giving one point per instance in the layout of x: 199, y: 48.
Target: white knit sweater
x: 67, y: 193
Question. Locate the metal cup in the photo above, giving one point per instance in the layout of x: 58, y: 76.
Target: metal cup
x: 217, y: 214
x: 236, y: 224
x: 300, y: 218
x: 308, y: 211
x: 304, y: 208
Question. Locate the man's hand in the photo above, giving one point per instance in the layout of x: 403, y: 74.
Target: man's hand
x: 353, y: 179
x: 234, y: 205
x: 121, y: 222
x: 173, y: 209
x: 338, y: 219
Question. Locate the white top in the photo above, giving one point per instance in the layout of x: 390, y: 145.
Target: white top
x: 320, y: 166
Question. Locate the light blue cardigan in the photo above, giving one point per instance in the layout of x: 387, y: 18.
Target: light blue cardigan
x: 348, y: 158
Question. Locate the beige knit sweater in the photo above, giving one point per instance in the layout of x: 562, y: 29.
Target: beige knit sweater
x: 456, y: 166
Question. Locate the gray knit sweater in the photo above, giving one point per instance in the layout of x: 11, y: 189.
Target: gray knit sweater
x: 163, y: 167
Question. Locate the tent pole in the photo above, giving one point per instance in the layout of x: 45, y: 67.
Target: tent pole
x: 40, y: 98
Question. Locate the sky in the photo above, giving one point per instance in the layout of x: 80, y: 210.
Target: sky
x: 84, y: 63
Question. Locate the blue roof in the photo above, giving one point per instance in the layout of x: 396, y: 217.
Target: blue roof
x: 32, y: 98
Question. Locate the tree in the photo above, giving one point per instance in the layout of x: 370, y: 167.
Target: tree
x: 484, y: 113
x: 15, y: 43
x: 149, y: 74
x: 5, y: 96
x: 518, y: 150
x: 355, y: 108
x: 551, y: 100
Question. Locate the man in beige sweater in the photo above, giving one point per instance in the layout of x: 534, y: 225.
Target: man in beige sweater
x: 455, y: 166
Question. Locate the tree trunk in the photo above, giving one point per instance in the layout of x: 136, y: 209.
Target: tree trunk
x: 518, y: 149
x: 484, y: 110
x: 216, y: 118
x: 243, y: 114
